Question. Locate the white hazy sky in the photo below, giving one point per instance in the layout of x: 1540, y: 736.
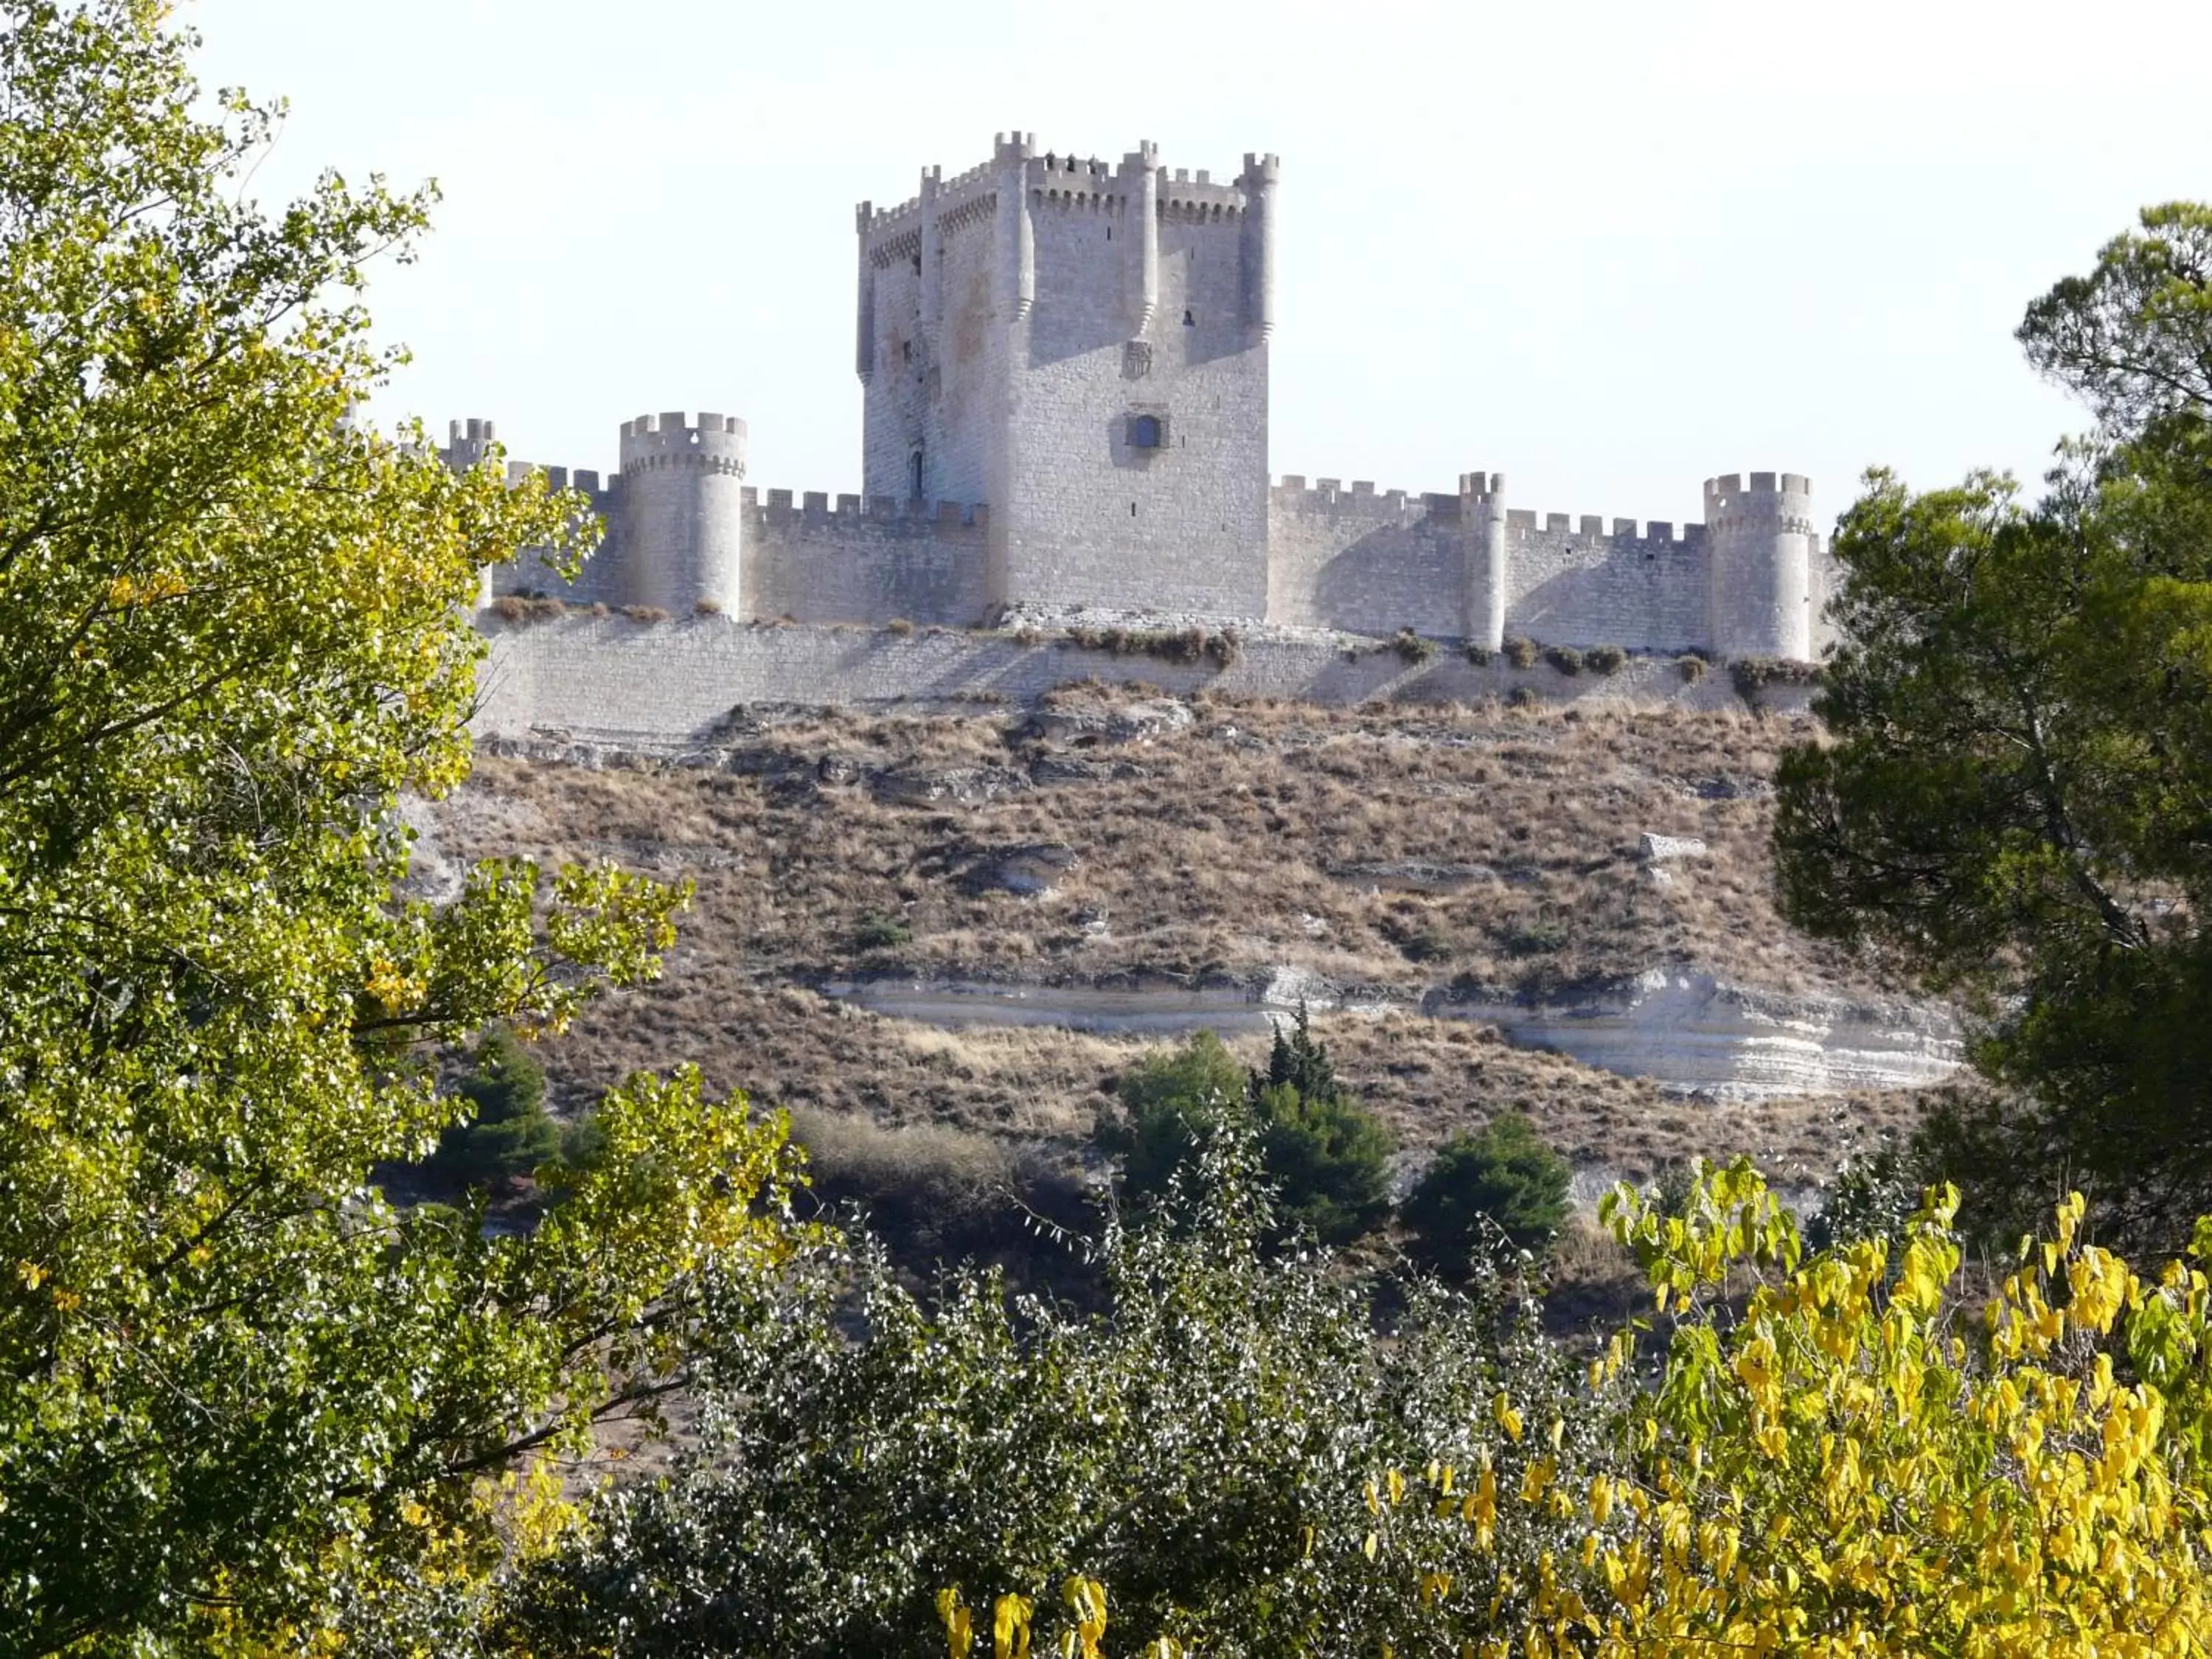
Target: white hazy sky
x: 1607, y: 248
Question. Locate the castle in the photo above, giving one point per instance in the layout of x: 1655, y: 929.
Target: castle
x: 1065, y: 365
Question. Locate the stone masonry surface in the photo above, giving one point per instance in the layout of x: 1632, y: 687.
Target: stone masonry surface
x: 670, y: 685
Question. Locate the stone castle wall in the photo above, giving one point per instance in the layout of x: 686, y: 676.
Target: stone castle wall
x: 1356, y: 559
x: 667, y: 685
x: 1586, y: 584
x: 814, y: 563
x: 1365, y: 561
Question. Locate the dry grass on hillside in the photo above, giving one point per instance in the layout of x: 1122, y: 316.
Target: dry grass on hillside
x: 830, y: 1062
x: 1260, y: 836
x: 1263, y: 836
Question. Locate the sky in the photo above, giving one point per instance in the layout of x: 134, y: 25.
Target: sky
x: 1607, y: 249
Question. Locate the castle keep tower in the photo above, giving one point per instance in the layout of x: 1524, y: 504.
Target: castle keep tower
x: 682, y: 511
x: 1759, y: 585
x: 1084, y: 347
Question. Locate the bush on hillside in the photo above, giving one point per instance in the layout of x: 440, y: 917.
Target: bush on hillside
x: 1521, y: 652
x: 1605, y: 659
x: 1752, y: 675
x: 879, y: 932
x: 1564, y: 658
x: 1327, y: 1154
x: 1166, y: 1104
x: 1505, y: 1179
x: 934, y: 1191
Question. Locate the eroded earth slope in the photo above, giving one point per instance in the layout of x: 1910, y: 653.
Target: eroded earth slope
x: 939, y: 939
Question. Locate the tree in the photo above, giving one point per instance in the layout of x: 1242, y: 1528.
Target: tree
x: 2014, y: 794
x: 509, y: 1136
x: 2134, y: 336
x: 1841, y: 1465
x: 1215, y: 1445
x: 1327, y: 1156
x: 1167, y: 1102
x: 1504, y: 1178
x: 241, y: 1397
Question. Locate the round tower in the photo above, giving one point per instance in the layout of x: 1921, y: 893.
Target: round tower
x: 1758, y: 543
x: 1482, y: 508
x: 1261, y: 175
x: 465, y: 446
x: 682, y: 511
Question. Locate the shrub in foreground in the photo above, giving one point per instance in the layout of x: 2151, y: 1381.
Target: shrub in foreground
x: 1853, y: 1464
x: 1216, y: 1449
x: 1836, y: 1457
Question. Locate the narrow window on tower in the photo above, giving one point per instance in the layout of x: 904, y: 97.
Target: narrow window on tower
x: 917, y: 475
x: 1189, y: 321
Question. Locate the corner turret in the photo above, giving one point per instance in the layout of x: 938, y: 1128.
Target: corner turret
x: 467, y: 442
x: 1016, y: 278
x: 1261, y: 176
x: 1760, y: 580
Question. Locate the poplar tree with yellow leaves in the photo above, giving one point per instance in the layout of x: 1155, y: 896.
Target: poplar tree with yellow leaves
x: 246, y: 1405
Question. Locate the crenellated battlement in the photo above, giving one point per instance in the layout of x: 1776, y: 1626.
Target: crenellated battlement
x: 678, y: 430
x: 778, y: 505
x: 604, y: 494
x: 712, y: 443
x: 950, y: 193
x: 1183, y: 196
x: 1330, y: 497
x: 1068, y: 181
x: 1781, y: 501
x: 1593, y: 530
x: 1361, y: 500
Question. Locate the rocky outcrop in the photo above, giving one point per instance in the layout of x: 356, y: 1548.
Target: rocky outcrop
x: 960, y: 784
x: 1082, y: 727
x: 1687, y: 1031
x: 1690, y: 1031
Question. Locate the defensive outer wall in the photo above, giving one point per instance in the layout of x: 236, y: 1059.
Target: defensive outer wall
x: 669, y: 687
x: 1350, y: 559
